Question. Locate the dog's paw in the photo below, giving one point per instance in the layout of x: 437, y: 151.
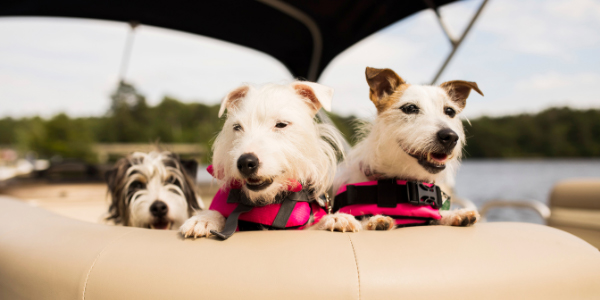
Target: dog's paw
x: 379, y: 222
x: 460, y: 217
x: 202, y: 223
x: 339, y: 222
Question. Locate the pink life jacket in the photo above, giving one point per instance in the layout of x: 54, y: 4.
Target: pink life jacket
x: 264, y: 216
x: 408, y: 202
x: 294, y: 210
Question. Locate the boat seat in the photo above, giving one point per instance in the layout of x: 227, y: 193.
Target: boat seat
x: 575, y: 208
x: 47, y: 256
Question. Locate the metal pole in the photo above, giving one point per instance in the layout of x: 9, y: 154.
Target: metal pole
x: 457, y: 44
x: 442, y: 24
x: 127, y: 50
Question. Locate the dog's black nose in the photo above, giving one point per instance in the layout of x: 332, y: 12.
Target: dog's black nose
x: 447, y: 137
x: 247, y: 164
x: 159, y: 209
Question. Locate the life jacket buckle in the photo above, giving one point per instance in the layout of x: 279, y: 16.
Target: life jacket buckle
x: 420, y: 194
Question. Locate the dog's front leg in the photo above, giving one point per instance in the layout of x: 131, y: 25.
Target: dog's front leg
x: 202, y: 223
x: 378, y: 222
x: 458, y: 217
x: 338, y: 222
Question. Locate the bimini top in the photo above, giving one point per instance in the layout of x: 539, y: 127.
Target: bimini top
x: 304, y: 35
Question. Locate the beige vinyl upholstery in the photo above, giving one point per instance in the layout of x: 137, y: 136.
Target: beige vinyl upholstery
x: 46, y: 256
x: 575, y: 208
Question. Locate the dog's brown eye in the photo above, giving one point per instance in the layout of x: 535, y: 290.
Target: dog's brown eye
x: 137, y: 185
x: 237, y: 127
x: 281, y: 125
x: 450, y: 112
x: 173, y: 180
x: 410, y: 109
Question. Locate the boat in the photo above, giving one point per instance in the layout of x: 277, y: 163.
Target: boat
x: 47, y: 256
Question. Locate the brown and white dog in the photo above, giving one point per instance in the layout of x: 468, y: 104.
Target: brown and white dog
x: 417, y: 136
x: 152, y: 190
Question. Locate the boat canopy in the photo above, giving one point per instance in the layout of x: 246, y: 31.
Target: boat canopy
x: 304, y: 35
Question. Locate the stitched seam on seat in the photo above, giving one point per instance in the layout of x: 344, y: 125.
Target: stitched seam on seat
x: 87, y: 277
x: 356, y: 262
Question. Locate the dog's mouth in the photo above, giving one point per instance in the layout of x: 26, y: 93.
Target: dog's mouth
x: 433, y: 162
x: 258, y: 183
x: 161, y: 224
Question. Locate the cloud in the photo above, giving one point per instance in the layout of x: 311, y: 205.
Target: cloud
x: 557, y: 81
x: 544, y: 90
x: 578, y: 10
x: 552, y: 28
x: 51, y: 65
x: 524, y: 54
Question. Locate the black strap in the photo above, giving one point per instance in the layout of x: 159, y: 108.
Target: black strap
x: 288, y: 203
x: 388, y: 193
x: 232, y: 221
x: 284, y: 213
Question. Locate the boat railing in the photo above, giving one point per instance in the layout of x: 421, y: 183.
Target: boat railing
x: 540, y: 208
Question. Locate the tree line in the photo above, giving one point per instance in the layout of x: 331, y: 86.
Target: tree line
x: 552, y: 133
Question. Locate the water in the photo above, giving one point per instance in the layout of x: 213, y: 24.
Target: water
x: 485, y: 180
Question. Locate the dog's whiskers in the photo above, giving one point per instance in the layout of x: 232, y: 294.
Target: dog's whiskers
x: 151, y: 189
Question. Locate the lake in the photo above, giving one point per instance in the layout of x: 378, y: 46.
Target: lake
x: 485, y: 180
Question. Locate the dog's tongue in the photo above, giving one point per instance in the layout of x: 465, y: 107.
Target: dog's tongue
x: 160, y: 225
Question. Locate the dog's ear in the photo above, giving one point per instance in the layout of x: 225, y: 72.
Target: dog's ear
x: 382, y: 84
x: 114, y: 179
x: 117, y: 172
x: 316, y: 95
x: 110, y: 178
x: 459, y: 90
x: 190, y: 166
x: 232, y: 99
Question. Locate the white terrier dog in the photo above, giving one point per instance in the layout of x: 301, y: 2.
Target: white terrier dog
x: 152, y: 190
x: 416, y: 136
x: 271, y: 146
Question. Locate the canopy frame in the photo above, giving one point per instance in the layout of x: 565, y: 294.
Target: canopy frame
x: 453, y: 41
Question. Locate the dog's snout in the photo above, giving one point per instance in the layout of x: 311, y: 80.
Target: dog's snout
x: 159, y: 209
x: 247, y: 164
x: 447, y: 137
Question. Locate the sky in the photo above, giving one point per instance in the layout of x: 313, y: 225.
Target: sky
x: 525, y: 55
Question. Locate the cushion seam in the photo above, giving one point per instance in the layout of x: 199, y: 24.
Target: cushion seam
x: 356, y: 263
x: 87, y: 277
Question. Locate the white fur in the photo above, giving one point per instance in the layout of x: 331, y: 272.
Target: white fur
x: 304, y: 150
x: 202, y: 223
x: 151, y: 168
x: 338, y: 222
x: 386, y: 140
x: 457, y: 216
x: 381, y: 148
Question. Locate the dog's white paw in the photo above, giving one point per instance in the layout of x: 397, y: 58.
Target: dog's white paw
x: 459, y: 217
x: 202, y: 223
x: 379, y: 222
x: 339, y: 222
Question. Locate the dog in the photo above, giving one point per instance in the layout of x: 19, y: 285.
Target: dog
x: 416, y: 136
x: 270, y: 144
x: 153, y: 190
